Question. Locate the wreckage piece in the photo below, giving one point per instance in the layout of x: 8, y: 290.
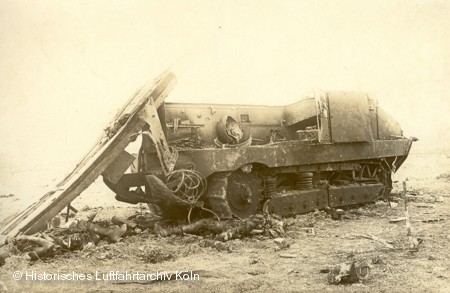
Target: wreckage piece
x: 170, y: 205
x: 114, y: 232
x: 198, y: 227
x: 347, y: 273
x: 211, y: 225
x: 74, y: 237
x: 120, y: 221
x: 226, y: 230
x: 34, y: 247
x: 109, y: 147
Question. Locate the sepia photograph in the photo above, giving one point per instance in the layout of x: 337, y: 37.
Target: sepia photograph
x: 224, y: 146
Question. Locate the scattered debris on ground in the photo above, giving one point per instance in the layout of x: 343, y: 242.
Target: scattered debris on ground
x: 254, y: 262
x: 82, y: 235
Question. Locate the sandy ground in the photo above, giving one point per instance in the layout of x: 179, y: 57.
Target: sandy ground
x: 255, y: 265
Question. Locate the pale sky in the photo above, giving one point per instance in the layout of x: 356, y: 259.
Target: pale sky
x: 66, y: 66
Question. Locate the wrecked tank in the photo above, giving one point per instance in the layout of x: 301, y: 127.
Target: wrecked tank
x: 334, y: 150
x: 327, y: 151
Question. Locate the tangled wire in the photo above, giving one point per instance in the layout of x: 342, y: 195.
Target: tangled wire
x: 189, y: 186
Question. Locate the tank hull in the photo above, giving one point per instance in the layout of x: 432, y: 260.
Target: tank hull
x: 328, y: 151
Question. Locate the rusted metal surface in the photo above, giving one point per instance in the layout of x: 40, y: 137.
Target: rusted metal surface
x: 300, y: 111
x: 200, y: 120
x: 166, y: 156
x: 217, y: 194
x: 229, y: 131
x: 292, y: 153
x: 349, y: 195
x: 300, y: 201
x: 244, y: 193
x: 318, y: 168
x: 168, y: 202
x: 388, y: 128
x: 121, y: 188
x: 116, y: 169
x: 350, y: 120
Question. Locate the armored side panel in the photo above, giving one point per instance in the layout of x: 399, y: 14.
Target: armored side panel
x: 350, y: 120
x: 388, y: 128
x: 200, y: 120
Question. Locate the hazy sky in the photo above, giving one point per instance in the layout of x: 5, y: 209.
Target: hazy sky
x: 66, y: 66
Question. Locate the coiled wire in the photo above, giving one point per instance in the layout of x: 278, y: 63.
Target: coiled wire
x: 191, y: 185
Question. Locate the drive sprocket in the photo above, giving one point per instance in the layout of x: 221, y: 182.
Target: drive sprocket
x: 244, y: 193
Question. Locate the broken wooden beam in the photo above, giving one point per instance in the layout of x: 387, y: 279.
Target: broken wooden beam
x: 382, y: 241
x: 105, y: 151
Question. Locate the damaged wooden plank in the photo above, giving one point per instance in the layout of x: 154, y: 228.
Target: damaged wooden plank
x: 127, y: 122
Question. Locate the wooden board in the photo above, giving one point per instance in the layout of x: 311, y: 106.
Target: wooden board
x: 109, y: 146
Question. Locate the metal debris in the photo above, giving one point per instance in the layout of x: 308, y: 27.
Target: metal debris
x: 347, y: 273
x: 226, y: 230
x: 335, y: 214
x: 282, y: 243
x: 393, y: 205
x: 74, y: 235
x: 119, y: 221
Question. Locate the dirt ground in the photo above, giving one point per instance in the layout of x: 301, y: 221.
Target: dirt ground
x: 254, y: 264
